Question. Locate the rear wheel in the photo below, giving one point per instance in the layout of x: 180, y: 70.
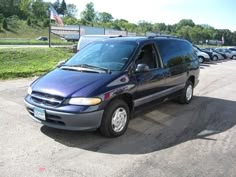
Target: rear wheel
x: 115, y: 119
x: 215, y: 58
x: 187, y: 93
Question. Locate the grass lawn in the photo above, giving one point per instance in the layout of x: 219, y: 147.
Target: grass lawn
x: 27, y: 62
x: 20, y: 33
x: 16, y: 41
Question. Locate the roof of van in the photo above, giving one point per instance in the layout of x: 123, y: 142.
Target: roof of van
x: 143, y: 38
x: 99, y: 35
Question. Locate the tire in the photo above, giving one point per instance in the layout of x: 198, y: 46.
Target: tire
x: 234, y: 57
x: 201, y: 59
x: 187, y: 93
x: 215, y: 58
x: 115, y: 119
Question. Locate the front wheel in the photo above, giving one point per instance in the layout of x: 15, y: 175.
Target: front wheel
x: 187, y: 93
x: 115, y: 119
x: 201, y: 59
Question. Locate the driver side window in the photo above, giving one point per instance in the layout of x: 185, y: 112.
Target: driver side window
x: 148, y: 56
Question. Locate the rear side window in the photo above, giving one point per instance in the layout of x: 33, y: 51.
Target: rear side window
x: 170, y: 52
x: 188, y: 51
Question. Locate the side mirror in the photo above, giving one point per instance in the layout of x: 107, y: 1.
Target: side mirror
x: 142, y: 68
x: 60, y: 63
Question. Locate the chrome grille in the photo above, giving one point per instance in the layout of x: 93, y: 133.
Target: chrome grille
x: 46, y: 99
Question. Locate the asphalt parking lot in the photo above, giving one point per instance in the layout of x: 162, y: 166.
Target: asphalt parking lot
x: 168, y: 140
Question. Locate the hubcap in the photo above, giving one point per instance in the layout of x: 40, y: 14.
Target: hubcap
x: 201, y: 60
x: 119, y: 119
x: 189, y: 92
x: 234, y: 57
x: 215, y: 58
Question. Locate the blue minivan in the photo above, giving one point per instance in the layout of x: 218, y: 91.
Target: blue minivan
x: 101, y: 85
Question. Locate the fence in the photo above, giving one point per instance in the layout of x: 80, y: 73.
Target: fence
x: 73, y: 32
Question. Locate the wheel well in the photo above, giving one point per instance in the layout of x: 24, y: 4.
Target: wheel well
x: 127, y: 98
x: 192, y: 79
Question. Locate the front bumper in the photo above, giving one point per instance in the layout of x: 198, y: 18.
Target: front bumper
x: 207, y: 59
x: 68, y: 121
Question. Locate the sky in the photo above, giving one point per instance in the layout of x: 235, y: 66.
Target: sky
x: 220, y: 14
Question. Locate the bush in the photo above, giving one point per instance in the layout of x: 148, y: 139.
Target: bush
x: 4, y: 24
x: 46, y: 23
x: 13, y: 21
x: 28, y: 22
x: 1, y: 18
x: 35, y: 22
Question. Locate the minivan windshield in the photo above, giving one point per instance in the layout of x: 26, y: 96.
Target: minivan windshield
x: 104, y: 54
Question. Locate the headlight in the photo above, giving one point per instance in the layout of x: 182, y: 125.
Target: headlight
x: 85, y: 101
x: 29, y: 90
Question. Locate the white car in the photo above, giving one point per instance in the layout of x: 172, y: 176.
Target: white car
x: 232, y: 49
x: 202, y: 56
x: 87, y: 39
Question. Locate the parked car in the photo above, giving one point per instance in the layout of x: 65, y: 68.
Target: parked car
x: 230, y: 54
x: 233, y: 49
x: 42, y: 38
x: 102, y: 84
x: 214, y: 54
x: 87, y: 39
x: 202, y: 56
x: 221, y: 53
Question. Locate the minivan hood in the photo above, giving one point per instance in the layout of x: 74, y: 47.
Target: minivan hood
x: 65, y: 83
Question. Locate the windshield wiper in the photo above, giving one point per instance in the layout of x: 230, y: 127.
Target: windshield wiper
x: 76, y: 68
x: 92, y: 67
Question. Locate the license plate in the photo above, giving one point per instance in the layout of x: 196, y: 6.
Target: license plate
x: 39, y: 113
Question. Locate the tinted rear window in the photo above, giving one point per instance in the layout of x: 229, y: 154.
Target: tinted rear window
x: 170, y: 52
x: 187, y: 50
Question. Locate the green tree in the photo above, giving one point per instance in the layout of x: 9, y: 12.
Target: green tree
x: 159, y: 27
x: 62, y: 9
x: 120, y: 24
x: 185, y: 22
x: 56, y: 5
x: 9, y: 7
x: 184, y: 32
x: 196, y: 34
x: 144, y: 26
x: 89, y: 15
x: 70, y: 21
x: 25, y: 6
x: 105, y: 17
x: 71, y: 10
x: 40, y: 9
x: 234, y: 38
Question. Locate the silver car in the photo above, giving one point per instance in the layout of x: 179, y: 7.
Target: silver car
x: 215, y: 55
x: 230, y: 54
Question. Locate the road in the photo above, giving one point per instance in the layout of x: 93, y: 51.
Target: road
x: 168, y: 140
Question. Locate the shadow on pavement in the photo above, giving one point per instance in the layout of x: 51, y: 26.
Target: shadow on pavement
x: 156, y: 127
x: 208, y: 64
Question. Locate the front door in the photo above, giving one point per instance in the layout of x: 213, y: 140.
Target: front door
x: 150, y: 84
